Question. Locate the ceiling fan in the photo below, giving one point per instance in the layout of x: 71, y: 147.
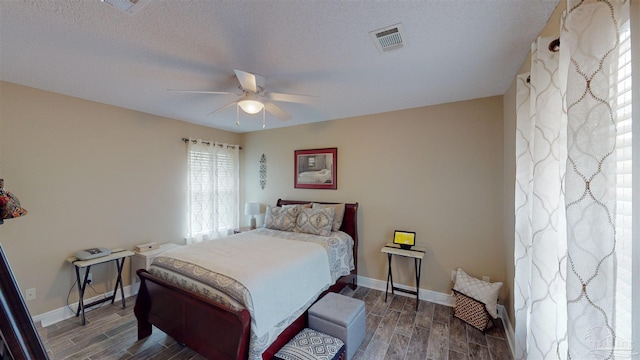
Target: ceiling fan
x: 254, y: 98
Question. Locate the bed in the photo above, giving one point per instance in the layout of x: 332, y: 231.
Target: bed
x: 216, y: 327
x: 315, y: 177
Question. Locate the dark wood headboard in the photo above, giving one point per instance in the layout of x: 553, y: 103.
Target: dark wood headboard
x: 349, y: 223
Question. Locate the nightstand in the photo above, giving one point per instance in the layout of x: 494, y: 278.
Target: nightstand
x: 142, y: 260
x: 242, y: 229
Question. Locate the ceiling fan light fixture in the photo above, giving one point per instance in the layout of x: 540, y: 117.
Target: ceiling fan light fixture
x: 251, y: 106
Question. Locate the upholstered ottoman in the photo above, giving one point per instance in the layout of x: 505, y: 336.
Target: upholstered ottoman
x: 310, y: 344
x: 342, y: 317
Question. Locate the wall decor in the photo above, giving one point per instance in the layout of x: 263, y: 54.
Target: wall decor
x: 263, y: 171
x: 316, y: 169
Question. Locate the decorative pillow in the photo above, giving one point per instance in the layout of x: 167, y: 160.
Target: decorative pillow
x: 312, y: 345
x: 482, y: 291
x: 315, y: 221
x: 281, y: 218
x: 338, y: 215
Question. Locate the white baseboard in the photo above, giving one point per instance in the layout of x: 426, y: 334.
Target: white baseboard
x: 442, y: 299
x: 428, y: 295
x: 63, y: 313
x: 508, y: 328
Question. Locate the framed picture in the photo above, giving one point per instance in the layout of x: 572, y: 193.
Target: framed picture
x: 316, y: 169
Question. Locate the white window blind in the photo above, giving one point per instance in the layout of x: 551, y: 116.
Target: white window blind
x: 213, y: 196
x: 624, y: 253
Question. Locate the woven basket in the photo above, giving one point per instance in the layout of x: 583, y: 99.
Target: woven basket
x: 472, y: 311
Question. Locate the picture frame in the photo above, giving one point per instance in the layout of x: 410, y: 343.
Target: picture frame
x: 316, y: 169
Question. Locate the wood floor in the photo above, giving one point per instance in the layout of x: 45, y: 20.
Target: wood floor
x: 395, y: 330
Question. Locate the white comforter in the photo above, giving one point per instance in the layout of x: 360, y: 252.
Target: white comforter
x: 280, y: 275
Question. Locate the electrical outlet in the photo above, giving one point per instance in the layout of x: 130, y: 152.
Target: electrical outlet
x: 90, y: 278
x: 453, y: 276
x: 486, y: 278
x: 30, y: 294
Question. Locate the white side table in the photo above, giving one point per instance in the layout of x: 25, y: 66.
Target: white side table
x: 142, y: 260
x: 417, y: 253
x: 119, y: 256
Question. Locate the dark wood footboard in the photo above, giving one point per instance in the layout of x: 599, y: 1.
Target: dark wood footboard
x: 209, y: 328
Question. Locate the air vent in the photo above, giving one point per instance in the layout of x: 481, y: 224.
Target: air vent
x: 389, y: 38
x: 127, y: 6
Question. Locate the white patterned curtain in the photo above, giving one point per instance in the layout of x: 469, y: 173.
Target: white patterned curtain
x: 540, y: 246
x: 566, y: 181
x: 213, y: 189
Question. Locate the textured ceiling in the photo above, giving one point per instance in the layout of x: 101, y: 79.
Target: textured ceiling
x: 455, y: 50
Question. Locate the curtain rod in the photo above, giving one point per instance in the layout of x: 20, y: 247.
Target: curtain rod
x: 209, y: 143
x: 554, y: 46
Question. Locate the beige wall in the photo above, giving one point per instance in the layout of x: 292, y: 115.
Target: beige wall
x: 436, y: 170
x: 552, y: 29
x: 77, y: 166
x: 90, y: 175
x: 97, y: 175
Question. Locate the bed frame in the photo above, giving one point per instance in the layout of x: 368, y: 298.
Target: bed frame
x: 214, y: 330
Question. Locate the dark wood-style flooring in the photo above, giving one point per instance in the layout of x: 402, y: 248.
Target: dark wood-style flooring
x: 395, y: 330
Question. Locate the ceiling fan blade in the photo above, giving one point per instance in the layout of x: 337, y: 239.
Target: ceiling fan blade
x: 303, y: 99
x: 201, y: 92
x: 276, y: 111
x: 222, y: 108
x: 247, y: 80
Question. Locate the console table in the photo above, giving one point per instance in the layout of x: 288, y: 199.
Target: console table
x: 415, y: 252
x: 118, y: 256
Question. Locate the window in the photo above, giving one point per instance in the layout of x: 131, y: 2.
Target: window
x: 213, y: 190
x: 622, y: 104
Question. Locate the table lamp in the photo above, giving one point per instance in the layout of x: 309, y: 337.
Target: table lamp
x: 16, y: 325
x: 252, y: 209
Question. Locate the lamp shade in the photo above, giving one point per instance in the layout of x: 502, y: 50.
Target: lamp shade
x: 252, y: 208
x: 251, y: 106
x: 9, y: 205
